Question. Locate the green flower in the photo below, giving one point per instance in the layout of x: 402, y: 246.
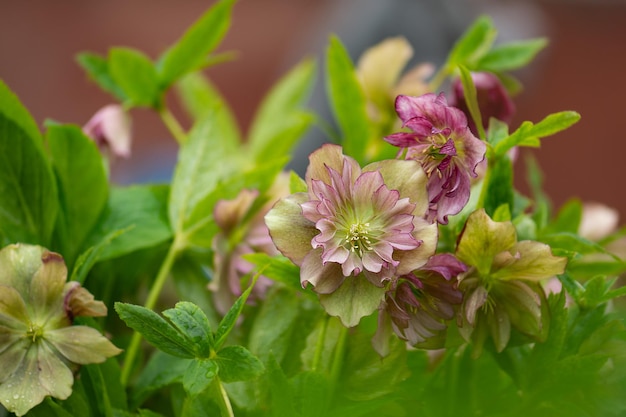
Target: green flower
x: 501, y: 289
x: 39, y: 347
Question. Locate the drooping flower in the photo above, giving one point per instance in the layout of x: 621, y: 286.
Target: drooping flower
x: 39, y: 346
x: 445, y: 147
x: 493, y: 100
x: 418, y: 304
x: 355, y: 229
x: 242, y: 231
x: 501, y: 290
x: 110, y: 128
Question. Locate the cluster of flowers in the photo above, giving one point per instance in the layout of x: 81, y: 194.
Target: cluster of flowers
x: 366, y: 238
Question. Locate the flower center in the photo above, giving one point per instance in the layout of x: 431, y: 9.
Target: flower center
x: 358, y: 239
x: 438, y: 155
x: 34, y: 332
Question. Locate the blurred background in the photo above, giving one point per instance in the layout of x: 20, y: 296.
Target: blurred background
x: 582, y: 69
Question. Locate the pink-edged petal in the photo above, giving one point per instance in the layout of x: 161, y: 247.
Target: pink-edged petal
x: 411, y: 260
x: 328, y: 156
x: 325, y: 278
x: 408, y: 178
x: 289, y: 229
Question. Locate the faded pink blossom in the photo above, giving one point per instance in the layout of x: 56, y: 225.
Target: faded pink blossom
x: 110, y: 128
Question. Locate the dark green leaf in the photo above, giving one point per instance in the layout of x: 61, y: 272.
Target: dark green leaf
x: 236, y: 363
x: 191, y: 50
x: 473, y: 45
x: 500, y: 185
x: 29, y: 204
x: 88, y: 258
x: 229, y: 320
x: 135, y: 74
x: 139, y: 211
x: 155, y: 330
x: 274, y: 325
x: 97, y: 387
x: 282, y: 403
x: 161, y: 370
x: 98, y: 69
x: 512, y: 55
x: 82, y: 185
x: 347, y: 100
x: 199, y: 375
x: 312, y: 392
x: 193, y: 323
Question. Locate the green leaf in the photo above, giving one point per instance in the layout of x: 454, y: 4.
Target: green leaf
x: 574, y: 244
x: 347, y: 100
x: 97, y: 68
x: 312, y: 392
x: 89, y: 257
x: 568, y: 218
x: 199, y: 98
x: 155, y: 329
x: 296, y: 184
x: 82, y: 184
x: 191, y: 321
x: 499, y: 184
x: 236, y: 363
x: 280, y: 122
x: 274, y: 325
x: 189, y: 53
x: 204, y: 161
x: 199, y: 375
x: 29, y: 204
x: 282, y: 402
x: 229, y: 320
x: 473, y: 44
x: 277, y: 268
x: 134, y: 72
x: 511, y: 56
x: 528, y: 134
x: 161, y: 370
x: 139, y: 211
x: 96, y: 386
x: 12, y: 109
x: 469, y: 91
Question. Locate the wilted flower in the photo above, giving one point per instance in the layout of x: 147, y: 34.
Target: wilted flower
x: 39, y: 347
x: 355, y: 229
x: 445, y: 147
x: 418, y: 304
x: 501, y: 289
x: 110, y: 128
x: 242, y: 231
x: 493, y: 100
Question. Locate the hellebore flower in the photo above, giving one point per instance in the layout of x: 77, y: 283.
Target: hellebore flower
x: 502, y: 290
x: 110, y: 128
x: 493, y: 100
x: 242, y: 231
x: 39, y: 347
x: 445, y: 147
x: 418, y: 304
x: 379, y: 69
x: 355, y: 229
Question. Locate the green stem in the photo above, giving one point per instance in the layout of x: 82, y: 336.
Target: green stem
x: 319, y: 345
x: 225, y: 404
x: 338, y: 355
x: 173, y: 126
x: 153, y: 296
x: 484, y: 187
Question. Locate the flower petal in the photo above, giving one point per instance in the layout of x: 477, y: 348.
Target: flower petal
x: 81, y: 344
x: 353, y: 300
x: 290, y: 231
x: 325, y: 278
